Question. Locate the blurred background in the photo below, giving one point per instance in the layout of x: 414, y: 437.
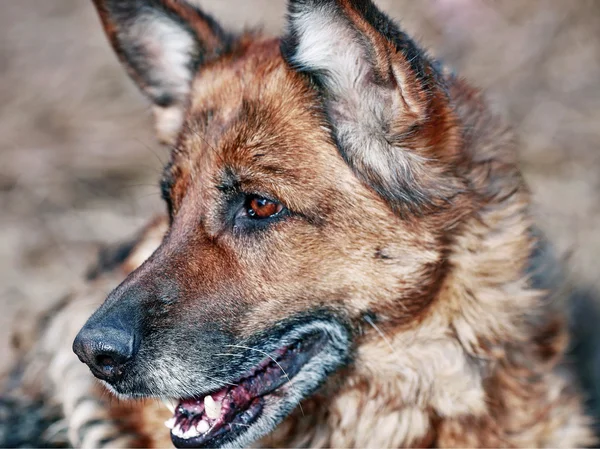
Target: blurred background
x: 79, y: 165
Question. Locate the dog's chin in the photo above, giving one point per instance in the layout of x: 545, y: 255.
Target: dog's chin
x: 252, y: 405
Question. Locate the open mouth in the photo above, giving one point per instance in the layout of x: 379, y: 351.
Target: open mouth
x: 223, y: 415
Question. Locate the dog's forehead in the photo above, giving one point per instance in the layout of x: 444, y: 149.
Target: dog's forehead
x: 251, y: 113
x: 257, y: 72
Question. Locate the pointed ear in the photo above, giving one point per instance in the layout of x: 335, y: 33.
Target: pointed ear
x: 385, y: 100
x: 162, y: 43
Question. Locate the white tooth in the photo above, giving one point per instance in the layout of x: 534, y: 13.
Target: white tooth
x: 170, y: 423
x: 202, y: 426
x: 178, y: 432
x: 171, y: 404
x: 212, y: 408
x: 190, y: 433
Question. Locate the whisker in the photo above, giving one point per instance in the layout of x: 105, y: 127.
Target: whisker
x: 214, y: 379
x: 160, y: 161
x: 276, y: 362
x: 380, y: 332
x: 198, y: 134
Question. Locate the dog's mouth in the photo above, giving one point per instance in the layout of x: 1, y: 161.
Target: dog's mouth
x: 223, y: 415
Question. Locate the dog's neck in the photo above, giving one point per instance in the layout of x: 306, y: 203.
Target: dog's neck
x: 481, y: 368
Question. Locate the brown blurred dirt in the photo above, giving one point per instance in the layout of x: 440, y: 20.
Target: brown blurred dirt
x: 79, y: 165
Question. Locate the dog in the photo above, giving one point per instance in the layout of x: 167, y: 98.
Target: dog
x: 350, y: 254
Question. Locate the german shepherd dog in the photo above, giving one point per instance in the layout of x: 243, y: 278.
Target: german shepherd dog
x: 349, y: 258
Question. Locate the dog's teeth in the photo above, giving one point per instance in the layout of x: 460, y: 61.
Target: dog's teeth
x: 171, y: 404
x: 190, y: 433
x: 177, y: 431
x: 202, y: 426
x: 170, y: 423
x: 211, y: 407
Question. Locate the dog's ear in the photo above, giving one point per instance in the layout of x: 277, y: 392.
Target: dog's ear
x: 385, y: 100
x: 162, y: 43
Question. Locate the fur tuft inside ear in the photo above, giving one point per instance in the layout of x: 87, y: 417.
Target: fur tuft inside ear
x: 385, y: 99
x: 162, y: 43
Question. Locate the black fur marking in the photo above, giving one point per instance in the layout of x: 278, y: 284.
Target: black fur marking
x: 381, y: 254
x: 370, y: 317
x: 164, y: 100
x: 166, y: 184
x: 26, y: 422
x: 84, y: 399
x: 110, y: 258
x: 89, y: 425
x: 548, y: 272
x: 107, y: 441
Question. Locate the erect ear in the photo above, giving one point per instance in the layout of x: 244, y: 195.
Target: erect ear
x: 385, y: 100
x: 162, y: 43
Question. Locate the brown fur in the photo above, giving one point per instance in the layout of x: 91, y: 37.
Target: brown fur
x: 454, y: 346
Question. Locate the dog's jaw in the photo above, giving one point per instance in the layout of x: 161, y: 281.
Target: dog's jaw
x: 328, y: 347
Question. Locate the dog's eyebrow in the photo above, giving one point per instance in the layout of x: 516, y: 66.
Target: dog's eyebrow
x: 229, y: 181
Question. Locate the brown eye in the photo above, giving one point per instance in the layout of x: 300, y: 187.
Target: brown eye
x: 259, y: 207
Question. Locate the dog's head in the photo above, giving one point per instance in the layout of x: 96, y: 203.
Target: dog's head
x: 315, y: 181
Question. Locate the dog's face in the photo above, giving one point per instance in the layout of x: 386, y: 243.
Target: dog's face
x: 314, y: 182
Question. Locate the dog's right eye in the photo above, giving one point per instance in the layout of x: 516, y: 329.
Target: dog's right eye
x: 257, y: 213
x: 260, y: 208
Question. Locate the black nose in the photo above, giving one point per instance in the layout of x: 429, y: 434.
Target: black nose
x: 105, y: 350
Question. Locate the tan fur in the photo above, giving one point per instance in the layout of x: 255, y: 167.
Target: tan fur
x: 464, y: 351
x: 411, y: 387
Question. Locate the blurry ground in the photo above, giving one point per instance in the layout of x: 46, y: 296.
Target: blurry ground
x: 79, y: 166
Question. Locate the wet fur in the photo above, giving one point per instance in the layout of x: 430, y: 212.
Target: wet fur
x: 409, y: 225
